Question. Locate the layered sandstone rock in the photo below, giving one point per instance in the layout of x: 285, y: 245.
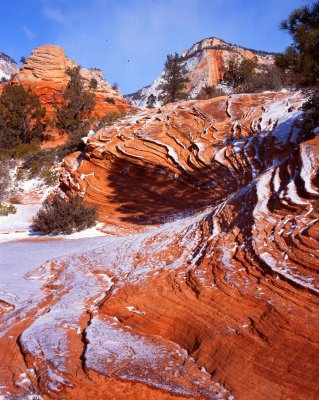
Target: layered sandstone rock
x: 45, y: 72
x: 206, y: 62
x: 215, y: 296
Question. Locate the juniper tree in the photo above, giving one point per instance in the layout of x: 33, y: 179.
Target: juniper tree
x: 302, y: 57
x: 64, y: 216
x: 239, y: 72
x: 73, y: 117
x: 151, y: 100
x: 21, y: 117
x: 208, y: 92
x: 174, y: 80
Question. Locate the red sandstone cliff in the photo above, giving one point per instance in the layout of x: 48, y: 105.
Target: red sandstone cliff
x: 45, y: 72
x: 205, y: 62
x: 218, y: 298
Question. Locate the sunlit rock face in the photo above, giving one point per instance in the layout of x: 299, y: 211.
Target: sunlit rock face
x: 213, y: 294
x: 205, y: 63
x: 45, y: 72
x: 8, y: 67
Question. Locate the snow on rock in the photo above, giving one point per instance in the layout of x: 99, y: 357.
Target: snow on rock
x: 212, y: 272
x: 8, y: 66
x: 309, y: 162
x: 114, y: 350
x: 205, y: 62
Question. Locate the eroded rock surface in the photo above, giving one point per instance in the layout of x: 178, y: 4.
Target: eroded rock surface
x: 45, y: 71
x: 205, y: 62
x: 214, y: 294
x: 8, y: 67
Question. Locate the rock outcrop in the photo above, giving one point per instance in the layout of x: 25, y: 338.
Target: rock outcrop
x: 205, y: 63
x: 215, y: 295
x: 45, y: 72
x: 8, y: 67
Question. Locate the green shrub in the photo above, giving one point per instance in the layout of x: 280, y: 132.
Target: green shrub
x: 6, y: 209
x: 21, y: 117
x: 237, y: 72
x: 209, y: 92
x: 40, y: 165
x: 109, y: 119
x: 151, y: 100
x: 50, y: 176
x: 93, y: 83
x: 59, y: 216
x: 25, y: 150
x: 272, y: 78
x: 5, y: 180
x: 311, y: 115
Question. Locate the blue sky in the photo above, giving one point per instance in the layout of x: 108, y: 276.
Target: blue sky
x: 129, y: 39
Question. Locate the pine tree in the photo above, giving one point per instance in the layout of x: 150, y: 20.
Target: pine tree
x: 174, y: 80
x: 302, y: 57
x: 21, y: 117
x: 239, y: 72
x: 73, y: 117
x: 151, y: 100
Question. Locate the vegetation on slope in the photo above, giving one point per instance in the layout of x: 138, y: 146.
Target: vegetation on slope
x: 59, y: 216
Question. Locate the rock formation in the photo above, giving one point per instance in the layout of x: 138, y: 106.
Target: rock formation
x: 205, y: 63
x: 214, y: 294
x: 45, y: 72
x: 8, y: 67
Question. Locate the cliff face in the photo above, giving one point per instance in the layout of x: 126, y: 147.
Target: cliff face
x: 216, y: 293
x: 45, y: 72
x: 8, y: 67
x: 205, y: 63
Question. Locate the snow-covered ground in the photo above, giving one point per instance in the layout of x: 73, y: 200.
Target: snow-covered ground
x: 20, y: 257
x: 20, y: 221
x: 17, y: 226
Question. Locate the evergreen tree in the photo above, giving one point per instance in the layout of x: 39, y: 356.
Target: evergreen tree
x: 151, y: 100
x: 21, y: 117
x: 73, y: 117
x: 208, y: 92
x: 174, y: 80
x: 311, y: 115
x: 239, y: 72
x: 93, y: 83
x: 302, y: 57
x: 64, y: 216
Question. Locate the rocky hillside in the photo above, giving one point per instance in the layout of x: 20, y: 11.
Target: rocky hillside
x: 45, y: 72
x: 205, y: 63
x: 214, y: 296
x: 8, y: 67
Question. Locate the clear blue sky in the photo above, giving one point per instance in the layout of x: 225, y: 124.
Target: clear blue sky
x: 107, y: 33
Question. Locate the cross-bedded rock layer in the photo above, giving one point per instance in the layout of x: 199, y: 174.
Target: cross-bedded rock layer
x: 219, y: 298
x: 45, y: 72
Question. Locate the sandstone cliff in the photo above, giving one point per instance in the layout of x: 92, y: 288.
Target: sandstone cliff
x: 205, y: 63
x: 215, y: 295
x: 45, y: 72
